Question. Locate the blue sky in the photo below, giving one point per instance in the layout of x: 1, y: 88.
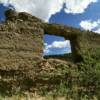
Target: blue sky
x: 83, y: 14
x: 91, y: 13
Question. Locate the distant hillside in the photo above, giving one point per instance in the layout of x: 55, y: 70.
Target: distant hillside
x: 66, y: 57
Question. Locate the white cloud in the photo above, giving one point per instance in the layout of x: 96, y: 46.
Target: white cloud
x: 44, y: 9
x: 40, y: 8
x: 77, y: 6
x: 91, y: 25
x: 58, y: 45
x: 46, y: 50
x: 97, y: 31
x: 88, y: 24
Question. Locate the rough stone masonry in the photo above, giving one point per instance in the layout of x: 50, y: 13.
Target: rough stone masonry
x: 21, y: 45
x: 21, y: 40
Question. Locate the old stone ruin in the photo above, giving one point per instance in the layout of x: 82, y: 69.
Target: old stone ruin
x: 21, y: 49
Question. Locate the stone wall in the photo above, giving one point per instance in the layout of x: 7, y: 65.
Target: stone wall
x: 21, y: 40
x: 22, y: 36
x: 84, y: 44
x: 21, y: 49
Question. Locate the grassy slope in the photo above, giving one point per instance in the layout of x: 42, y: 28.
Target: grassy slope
x: 65, y: 80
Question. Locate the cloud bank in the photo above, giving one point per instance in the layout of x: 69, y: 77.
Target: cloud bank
x: 44, y: 9
x: 97, y: 31
x: 77, y: 6
x: 64, y: 45
x: 91, y: 25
